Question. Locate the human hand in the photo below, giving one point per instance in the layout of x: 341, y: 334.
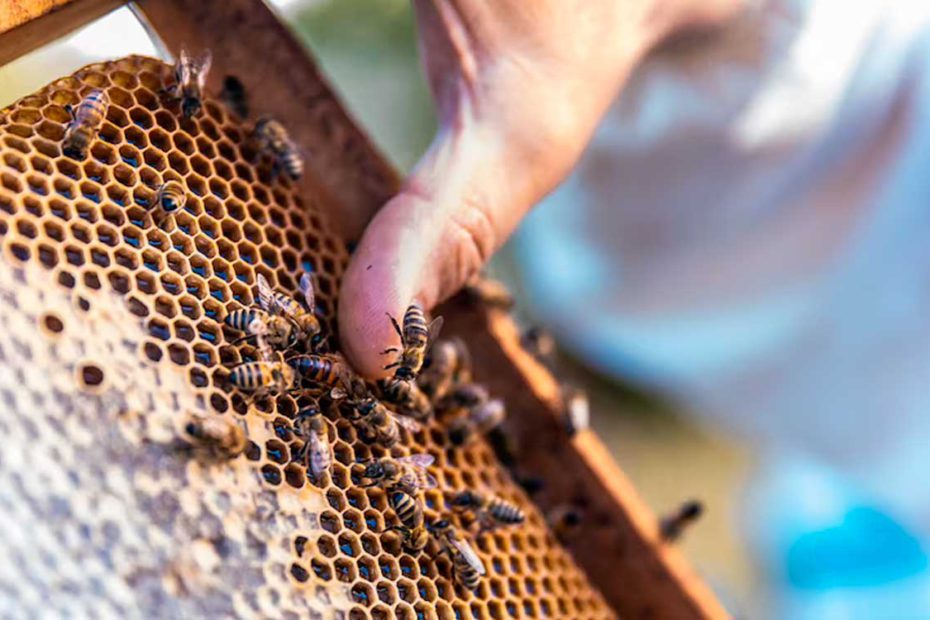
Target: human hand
x: 519, y: 87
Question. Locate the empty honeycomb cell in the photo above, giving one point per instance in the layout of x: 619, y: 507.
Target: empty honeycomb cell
x: 48, y: 255
x: 74, y: 255
x: 28, y: 116
x: 90, y: 376
x: 154, y: 158
x: 126, y: 258
x: 81, y: 231
x: 16, y: 143
x: 23, y: 131
x: 166, y: 120
x: 143, y: 119
x: 219, y: 188
x: 103, y: 153
x: 178, y: 163
x: 110, y: 133
x: 183, y: 143
x: 11, y: 182
x: 65, y: 188
x: 92, y: 280
x: 363, y: 594
x: 132, y: 135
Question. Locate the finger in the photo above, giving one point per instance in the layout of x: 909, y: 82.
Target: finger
x: 424, y: 243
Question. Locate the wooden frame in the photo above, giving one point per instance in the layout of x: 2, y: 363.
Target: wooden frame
x: 619, y: 545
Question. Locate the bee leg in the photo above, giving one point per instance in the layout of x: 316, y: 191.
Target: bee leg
x: 397, y: 328
x: 391, y: 365
x: 70, y: 110
x: 390, y: 350
x: 243, y: 338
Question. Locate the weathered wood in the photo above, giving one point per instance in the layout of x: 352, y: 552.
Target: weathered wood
x: 29, y: 24
x: 249, y: 42
x: 618, y: 543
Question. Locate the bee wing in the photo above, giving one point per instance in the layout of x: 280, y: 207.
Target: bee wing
x: 418, y: 480
x: 337, y: 393
x: 265, y: 294
x: 579, y: 411
x: 409, y: 423
x: 183, y: 66
x: 320, y: 457
x: 203, y: 63
x: 417, y: 460
x: 306, y: 288
x: 434, y: 328
x: 464, y: 361
x: 490, y: 414
x: 468, y: 552
x: 258, y: 327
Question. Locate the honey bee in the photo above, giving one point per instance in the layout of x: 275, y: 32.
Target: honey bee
x: 305, y: 322
x: 277, y: 330
x: 491, y: 510
x: 170, y: 198
x: 406, y: 473
x: 672, y: 525
x: 488, y: 292
x: 465, y: 396
x: 478, y: 420
x: 317, y: 452
x: 448, y: 364
x: 564, y: 521
x: 540, y: 343
x: 263, y: 377
x: 190, y: 75
x: 235, y: 96
x: 415, y: 339
x: 274, y: 140
x: 222, y: 437
x: 409, y: 511
x: 406, y: 395
x: 327, y: 370
x: 378, y: 424
x: 576, y: 410
x: 86, y: 120
x: 466, y: 565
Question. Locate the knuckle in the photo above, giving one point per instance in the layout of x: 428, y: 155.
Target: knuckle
x: 474, y: 239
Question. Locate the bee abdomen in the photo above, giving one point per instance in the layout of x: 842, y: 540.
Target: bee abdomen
x: 466, y: 573
x: 93, y: 108
x: 241, y: 319
x: 505, y: 512
x: 250, y: 376
x: 416, y: 331
x: 171, y: 197
x: 292, y: 162
x: 315, y: 368
x: 406, y: 508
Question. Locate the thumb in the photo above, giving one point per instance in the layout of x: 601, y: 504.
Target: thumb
x: 426, y: 242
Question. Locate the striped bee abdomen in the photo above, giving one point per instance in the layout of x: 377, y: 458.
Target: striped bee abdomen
x: 241, y: 319
x: 316, y: 368
x: 416, y: 331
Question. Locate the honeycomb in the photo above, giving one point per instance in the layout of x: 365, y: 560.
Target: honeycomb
x: 111, y: 336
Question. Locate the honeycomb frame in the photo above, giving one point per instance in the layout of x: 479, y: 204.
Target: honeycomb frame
x: 78, y: 236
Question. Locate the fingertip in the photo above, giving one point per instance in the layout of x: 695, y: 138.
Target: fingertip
x: 381, y: 280
x: 364, y: 328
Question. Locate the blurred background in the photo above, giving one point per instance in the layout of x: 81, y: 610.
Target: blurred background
x: 787, y: 532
